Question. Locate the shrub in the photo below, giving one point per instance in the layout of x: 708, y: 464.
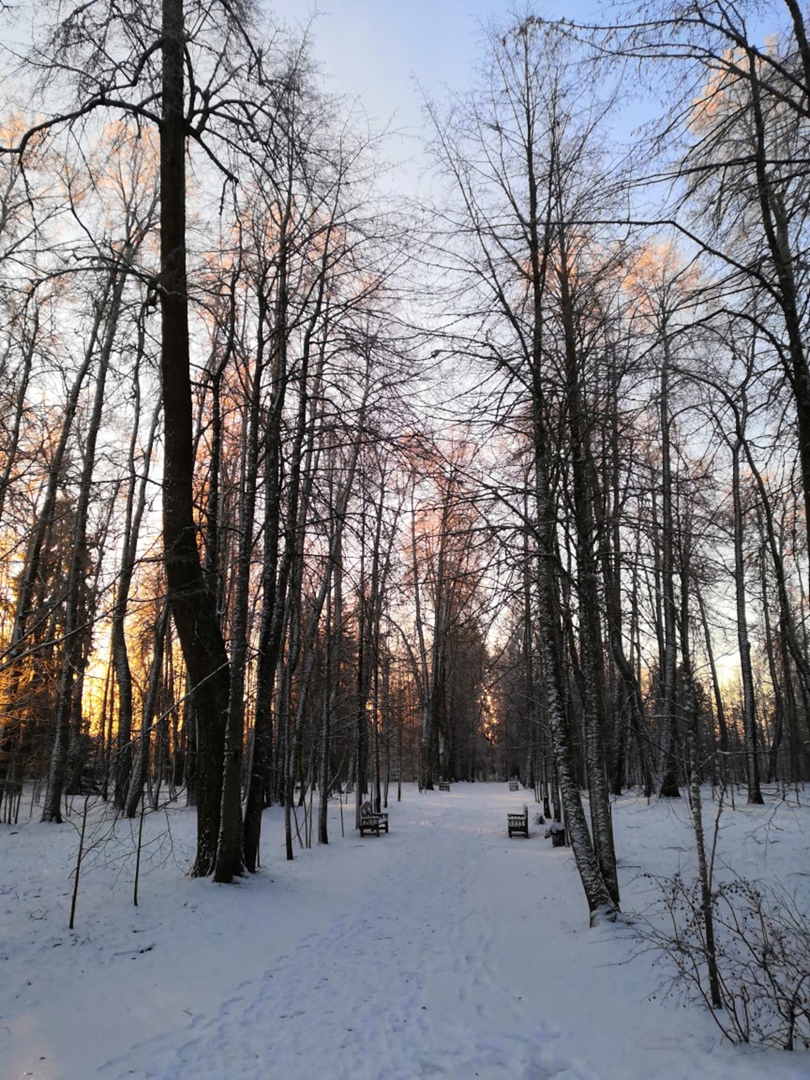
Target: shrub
x: 762, y: 950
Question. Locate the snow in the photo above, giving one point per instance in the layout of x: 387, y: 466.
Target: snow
x: 442, y: 949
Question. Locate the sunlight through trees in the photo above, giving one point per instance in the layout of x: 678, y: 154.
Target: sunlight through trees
x: 307, y: 489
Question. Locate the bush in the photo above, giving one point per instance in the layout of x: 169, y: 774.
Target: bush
x: 762, y: 951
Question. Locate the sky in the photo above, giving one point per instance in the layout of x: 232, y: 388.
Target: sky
x: 442, y: 950
x: 382, y: 51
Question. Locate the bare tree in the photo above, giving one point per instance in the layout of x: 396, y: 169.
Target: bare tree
x: 517, y: 157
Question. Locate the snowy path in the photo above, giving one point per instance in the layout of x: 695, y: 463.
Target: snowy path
x: 404, y: 981
x: 442, y: 950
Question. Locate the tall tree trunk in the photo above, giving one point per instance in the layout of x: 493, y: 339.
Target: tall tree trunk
x: 668, y: 697
x: 140, y: 768
x: 133, y: 517
x: 593, y: 659
x: 717, y: 690
x: 229, y: 850
x: 194, y: 615
x: 743, y: 641
x: 422, y: 671
x: 274, y: 582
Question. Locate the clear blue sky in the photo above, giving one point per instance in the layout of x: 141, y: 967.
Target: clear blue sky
x: 378, y: 50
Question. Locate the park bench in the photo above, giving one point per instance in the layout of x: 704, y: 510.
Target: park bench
x: 444, y: 785
x: 371, y: 822
x: 518, y: 824
x: 513, y: 785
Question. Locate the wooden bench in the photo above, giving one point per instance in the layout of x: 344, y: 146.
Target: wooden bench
x: 444, y: 785
x: 513, y: 785
x: 373, y: 823
x: 518, y: 824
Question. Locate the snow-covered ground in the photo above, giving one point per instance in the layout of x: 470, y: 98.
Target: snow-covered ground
x: 443, y: 949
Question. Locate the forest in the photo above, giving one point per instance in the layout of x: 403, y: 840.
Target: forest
x: 310, y: 486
